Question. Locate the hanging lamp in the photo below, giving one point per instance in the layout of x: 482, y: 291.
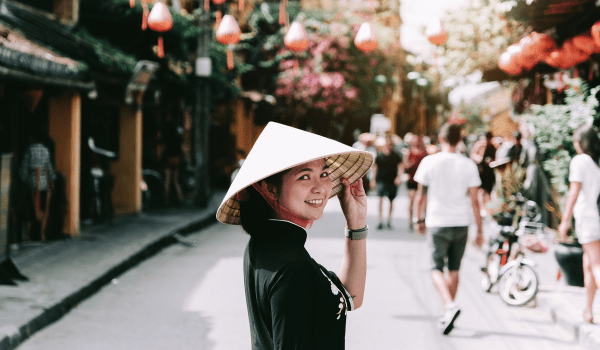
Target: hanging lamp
x: 228, y: 33
x: 296, y: 38
x: 365, y: 40
x: 435, y: 32
x: 160, y: 20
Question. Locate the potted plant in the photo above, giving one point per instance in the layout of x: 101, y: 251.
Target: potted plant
x: 553, y: 129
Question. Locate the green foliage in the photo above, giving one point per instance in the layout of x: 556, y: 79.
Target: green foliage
x: 478, y: 33
x: 554, y: 126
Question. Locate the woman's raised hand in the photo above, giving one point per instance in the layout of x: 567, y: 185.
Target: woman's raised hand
x: 353, y: 200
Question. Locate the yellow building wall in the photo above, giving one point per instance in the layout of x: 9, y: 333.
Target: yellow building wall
x: 503, y: 125
x: 127, y: 170
x: 65, y: 129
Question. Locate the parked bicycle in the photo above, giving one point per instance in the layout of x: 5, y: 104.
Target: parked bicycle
x: 102, y: 182
x: 519, y: 228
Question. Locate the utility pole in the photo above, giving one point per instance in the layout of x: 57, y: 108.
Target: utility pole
x: 202, y: 112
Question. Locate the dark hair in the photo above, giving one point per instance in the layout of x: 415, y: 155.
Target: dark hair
x: 451, y: 133
x: 488, y: 135
x: 256, y: 210
x: 518, y: 135
x: 589, y: 142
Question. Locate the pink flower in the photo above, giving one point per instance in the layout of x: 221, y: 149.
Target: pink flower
x: 373, y: 62
x: 338, y: 80
x: 287, y: 64
x: 352, y: 94
x: 344, y: 42
x: 339, y: 109
x: 326, y: 80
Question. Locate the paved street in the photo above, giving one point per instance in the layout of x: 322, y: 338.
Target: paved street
x: 193, y: 298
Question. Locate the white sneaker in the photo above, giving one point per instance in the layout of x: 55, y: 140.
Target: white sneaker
x: 447, y: 320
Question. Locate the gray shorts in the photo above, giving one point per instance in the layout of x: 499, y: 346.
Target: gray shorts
x: 448, y: 246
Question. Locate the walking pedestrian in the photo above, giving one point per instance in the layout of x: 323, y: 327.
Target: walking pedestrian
x: 413, y: 157
x: 365, y: 142
x: 37, y: 177
x: 387, y: 173
x: 172, y: 155
x: 483, y: 153
x: 282, y: 187
x: 517, y: 153
x: 584, y: 176
x: 448, y: 181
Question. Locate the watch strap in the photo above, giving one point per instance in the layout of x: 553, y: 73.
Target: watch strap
x: 357, y: 234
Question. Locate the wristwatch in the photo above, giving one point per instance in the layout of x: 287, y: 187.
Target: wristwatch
x: 357, y: 234
x: 418, y: 221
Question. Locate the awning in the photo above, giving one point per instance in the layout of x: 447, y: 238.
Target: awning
x: 25, y: 60
x: 469, y: 93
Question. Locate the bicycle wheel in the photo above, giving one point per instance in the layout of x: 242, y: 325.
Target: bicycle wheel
x: 518, y: 285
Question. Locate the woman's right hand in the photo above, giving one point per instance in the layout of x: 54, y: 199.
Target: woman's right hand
x: 563, y: 231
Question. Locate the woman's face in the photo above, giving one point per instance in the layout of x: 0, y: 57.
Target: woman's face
x: 306, y: 189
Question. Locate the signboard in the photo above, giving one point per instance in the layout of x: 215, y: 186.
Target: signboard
x: 380, y: 124
x: 5, y: 163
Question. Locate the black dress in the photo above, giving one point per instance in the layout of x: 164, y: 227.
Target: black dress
x: 293, y: 302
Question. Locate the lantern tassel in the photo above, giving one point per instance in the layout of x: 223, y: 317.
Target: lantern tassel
x: 206, y: 5
x: 219, y: 17
x: 145, y: 15
x: 241, y: 4
x: 161, y: 47
x: 591, y: 73
x: 282, y: 12
x: 132, y: 3
x: 229, y: 59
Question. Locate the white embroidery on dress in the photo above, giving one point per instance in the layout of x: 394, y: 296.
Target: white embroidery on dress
x: 335, y: 290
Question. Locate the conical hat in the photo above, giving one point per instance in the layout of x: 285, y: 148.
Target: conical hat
x: 280, y: 147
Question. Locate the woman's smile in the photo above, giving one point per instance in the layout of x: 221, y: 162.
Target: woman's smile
x: 316, y: 203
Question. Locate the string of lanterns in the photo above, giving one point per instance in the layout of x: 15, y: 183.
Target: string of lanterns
x: 228, y: 31
x: 537, y: 47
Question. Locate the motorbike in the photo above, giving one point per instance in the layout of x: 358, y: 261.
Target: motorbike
x: 102, y: 182
x: 519, y: 229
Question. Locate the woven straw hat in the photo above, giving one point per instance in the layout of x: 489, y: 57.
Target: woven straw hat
x: 280, y: 147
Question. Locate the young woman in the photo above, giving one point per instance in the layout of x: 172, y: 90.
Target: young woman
x: 282, y: 187
x: 413, y: 157
x: 584, y: 176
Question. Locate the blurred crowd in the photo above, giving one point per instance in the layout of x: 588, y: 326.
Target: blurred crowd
x: 397, y: 160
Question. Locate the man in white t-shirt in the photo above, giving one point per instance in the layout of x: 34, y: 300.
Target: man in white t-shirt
x: 448, y: 184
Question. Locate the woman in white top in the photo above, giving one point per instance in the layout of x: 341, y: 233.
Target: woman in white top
x: 584, y: 176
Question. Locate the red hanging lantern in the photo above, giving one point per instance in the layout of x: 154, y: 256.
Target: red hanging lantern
x: 365, y: 40
x: 160, y: 20
x: 572, y: 55
x: 296, y: 38
x: 585, y: 43
x: 596, y: 33
x: 508, y: 63
x: 554, y: 59
x: 435, y: 32
x: 228, y: 33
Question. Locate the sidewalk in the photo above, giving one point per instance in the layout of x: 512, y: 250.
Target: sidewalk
x: 565, y: 305
x: 64, y: 273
